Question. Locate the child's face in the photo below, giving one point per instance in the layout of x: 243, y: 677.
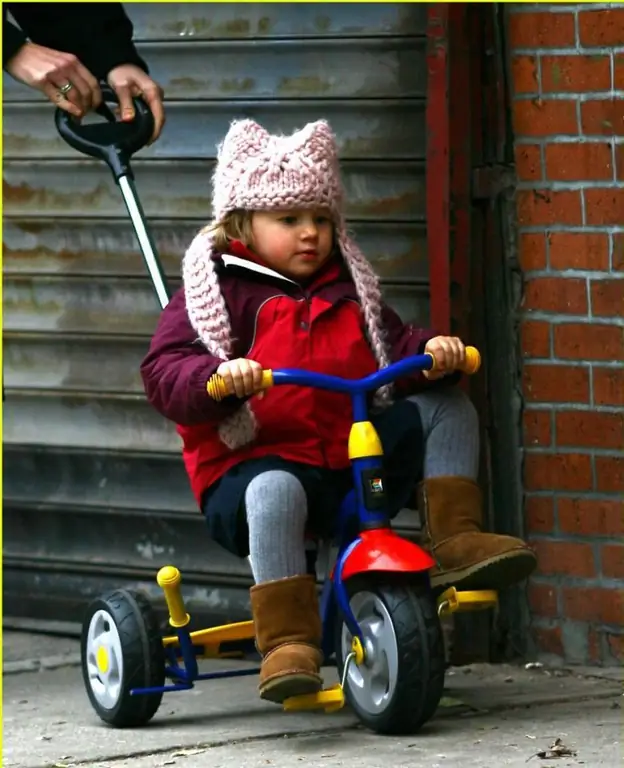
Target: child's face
x: 295, y: 243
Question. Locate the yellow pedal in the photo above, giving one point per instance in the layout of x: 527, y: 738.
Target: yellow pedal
x: 331, y: 700
x: 453, y: 601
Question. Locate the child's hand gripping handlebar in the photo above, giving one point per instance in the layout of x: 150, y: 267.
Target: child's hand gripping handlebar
x: 216, y: 386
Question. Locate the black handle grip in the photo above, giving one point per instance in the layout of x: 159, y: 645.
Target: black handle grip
x: 114, y: 142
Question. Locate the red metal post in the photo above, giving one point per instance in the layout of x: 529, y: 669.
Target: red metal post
x: 437, y: 171
x: 460, y: 139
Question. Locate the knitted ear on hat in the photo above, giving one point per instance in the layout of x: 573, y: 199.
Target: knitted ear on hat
x: 244, y: 141
x: 208, y: 315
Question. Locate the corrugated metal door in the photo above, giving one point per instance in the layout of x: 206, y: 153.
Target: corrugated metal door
x: 94, y: 490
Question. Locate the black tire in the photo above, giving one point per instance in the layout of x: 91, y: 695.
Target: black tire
x: 412, y: 610
x: 143, y: 657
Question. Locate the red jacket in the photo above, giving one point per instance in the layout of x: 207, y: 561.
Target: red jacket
x: 281, y: 324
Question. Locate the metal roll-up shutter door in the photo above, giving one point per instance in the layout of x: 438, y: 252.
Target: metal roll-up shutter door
x: 95, y: 493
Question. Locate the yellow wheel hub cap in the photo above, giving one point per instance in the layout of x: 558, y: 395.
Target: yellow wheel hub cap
x: 101, y: 658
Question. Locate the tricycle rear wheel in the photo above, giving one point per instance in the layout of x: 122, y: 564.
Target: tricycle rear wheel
x: 399, y: 686
x: 123, y: 624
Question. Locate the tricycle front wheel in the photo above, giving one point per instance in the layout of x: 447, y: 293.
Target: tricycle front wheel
x: 400, y: 684
x: 122, y: 649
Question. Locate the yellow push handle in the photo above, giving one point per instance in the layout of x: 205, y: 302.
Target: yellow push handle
x: 216, y: 385
x: 169, y: 579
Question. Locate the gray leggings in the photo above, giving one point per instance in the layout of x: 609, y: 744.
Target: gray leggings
x: 276, y: 503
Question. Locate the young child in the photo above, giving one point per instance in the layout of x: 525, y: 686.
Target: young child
x: 276, y: 282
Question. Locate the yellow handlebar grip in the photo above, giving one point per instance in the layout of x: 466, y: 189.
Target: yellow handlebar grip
x: 472, y: 364
x: 216, y: 385
x: 473, y: 360
x: 169, y: 579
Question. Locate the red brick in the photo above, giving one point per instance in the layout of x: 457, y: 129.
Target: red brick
x: 564, y: 558
x: 537, y: 429
x: 619, y: 162
x: 616, y: 646
x: 557, y: 471
x: 532, y: 251
x: 591, y: 517
x: 535, y: 338
x: 548, y: 639
x: 539, y: 512
x: 593, y: 604
x: 536, y: 117
x: 618, y: 71
x: 590, y: 429
x: 601, y: 28
x: 524, y: 74
x: 610, y: 474
x: 556, y: 383
x: 578, y: 162
x: 607, y: 297
x: 542, y: 599
x: 613, y: 561
x: 608, y: 386
x: 603, y: 117
x: 561, y: 74
x: 588, y: 341
x: 545, y: 207
x: 618, y: 252
x: 541, y: 30
x: 528, y: 162
x: 562, y: 295
x: 604, y: 206
x: 579, y: 250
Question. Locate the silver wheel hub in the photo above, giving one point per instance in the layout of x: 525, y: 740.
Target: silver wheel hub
x: 373, y: 683
x: 104, y: 659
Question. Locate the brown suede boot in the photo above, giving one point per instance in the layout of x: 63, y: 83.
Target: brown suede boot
x: 466, y: 557
x: 288, y: 636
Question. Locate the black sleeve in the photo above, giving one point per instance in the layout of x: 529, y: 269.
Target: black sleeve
x: 12, y: 37
x: 99, y: 34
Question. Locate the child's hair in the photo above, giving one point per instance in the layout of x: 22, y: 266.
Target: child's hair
x: 235, y: 225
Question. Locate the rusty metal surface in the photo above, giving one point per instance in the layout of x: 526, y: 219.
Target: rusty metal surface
x: 46, y: 361
x: 285, y: 69
x: 143, y: 541
x: 196, y: 21
x: 98, y: 479
x: 112, y: 423
x: 86, y: 460
x: 95, y: 247
x: 374, y: 190
x: 193, y: 129
x: 87, y: 306
x: 79, y: 305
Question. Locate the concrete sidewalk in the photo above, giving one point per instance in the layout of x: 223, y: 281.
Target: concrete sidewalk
x: 492, y: 717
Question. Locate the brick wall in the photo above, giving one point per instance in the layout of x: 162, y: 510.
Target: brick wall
x: 567, y: 66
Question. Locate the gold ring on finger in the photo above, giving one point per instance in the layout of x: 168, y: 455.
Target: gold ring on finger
x: 66, y: 88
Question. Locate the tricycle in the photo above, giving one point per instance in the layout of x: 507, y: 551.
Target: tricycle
x: 381, y: 618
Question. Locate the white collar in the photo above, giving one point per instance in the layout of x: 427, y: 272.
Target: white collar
x: 236, y: 261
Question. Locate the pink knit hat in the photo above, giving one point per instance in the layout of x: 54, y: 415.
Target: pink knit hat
x: 259, y: 171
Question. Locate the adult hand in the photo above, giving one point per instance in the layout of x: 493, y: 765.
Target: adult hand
x: 128, y: 80
x: 60, y: 76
